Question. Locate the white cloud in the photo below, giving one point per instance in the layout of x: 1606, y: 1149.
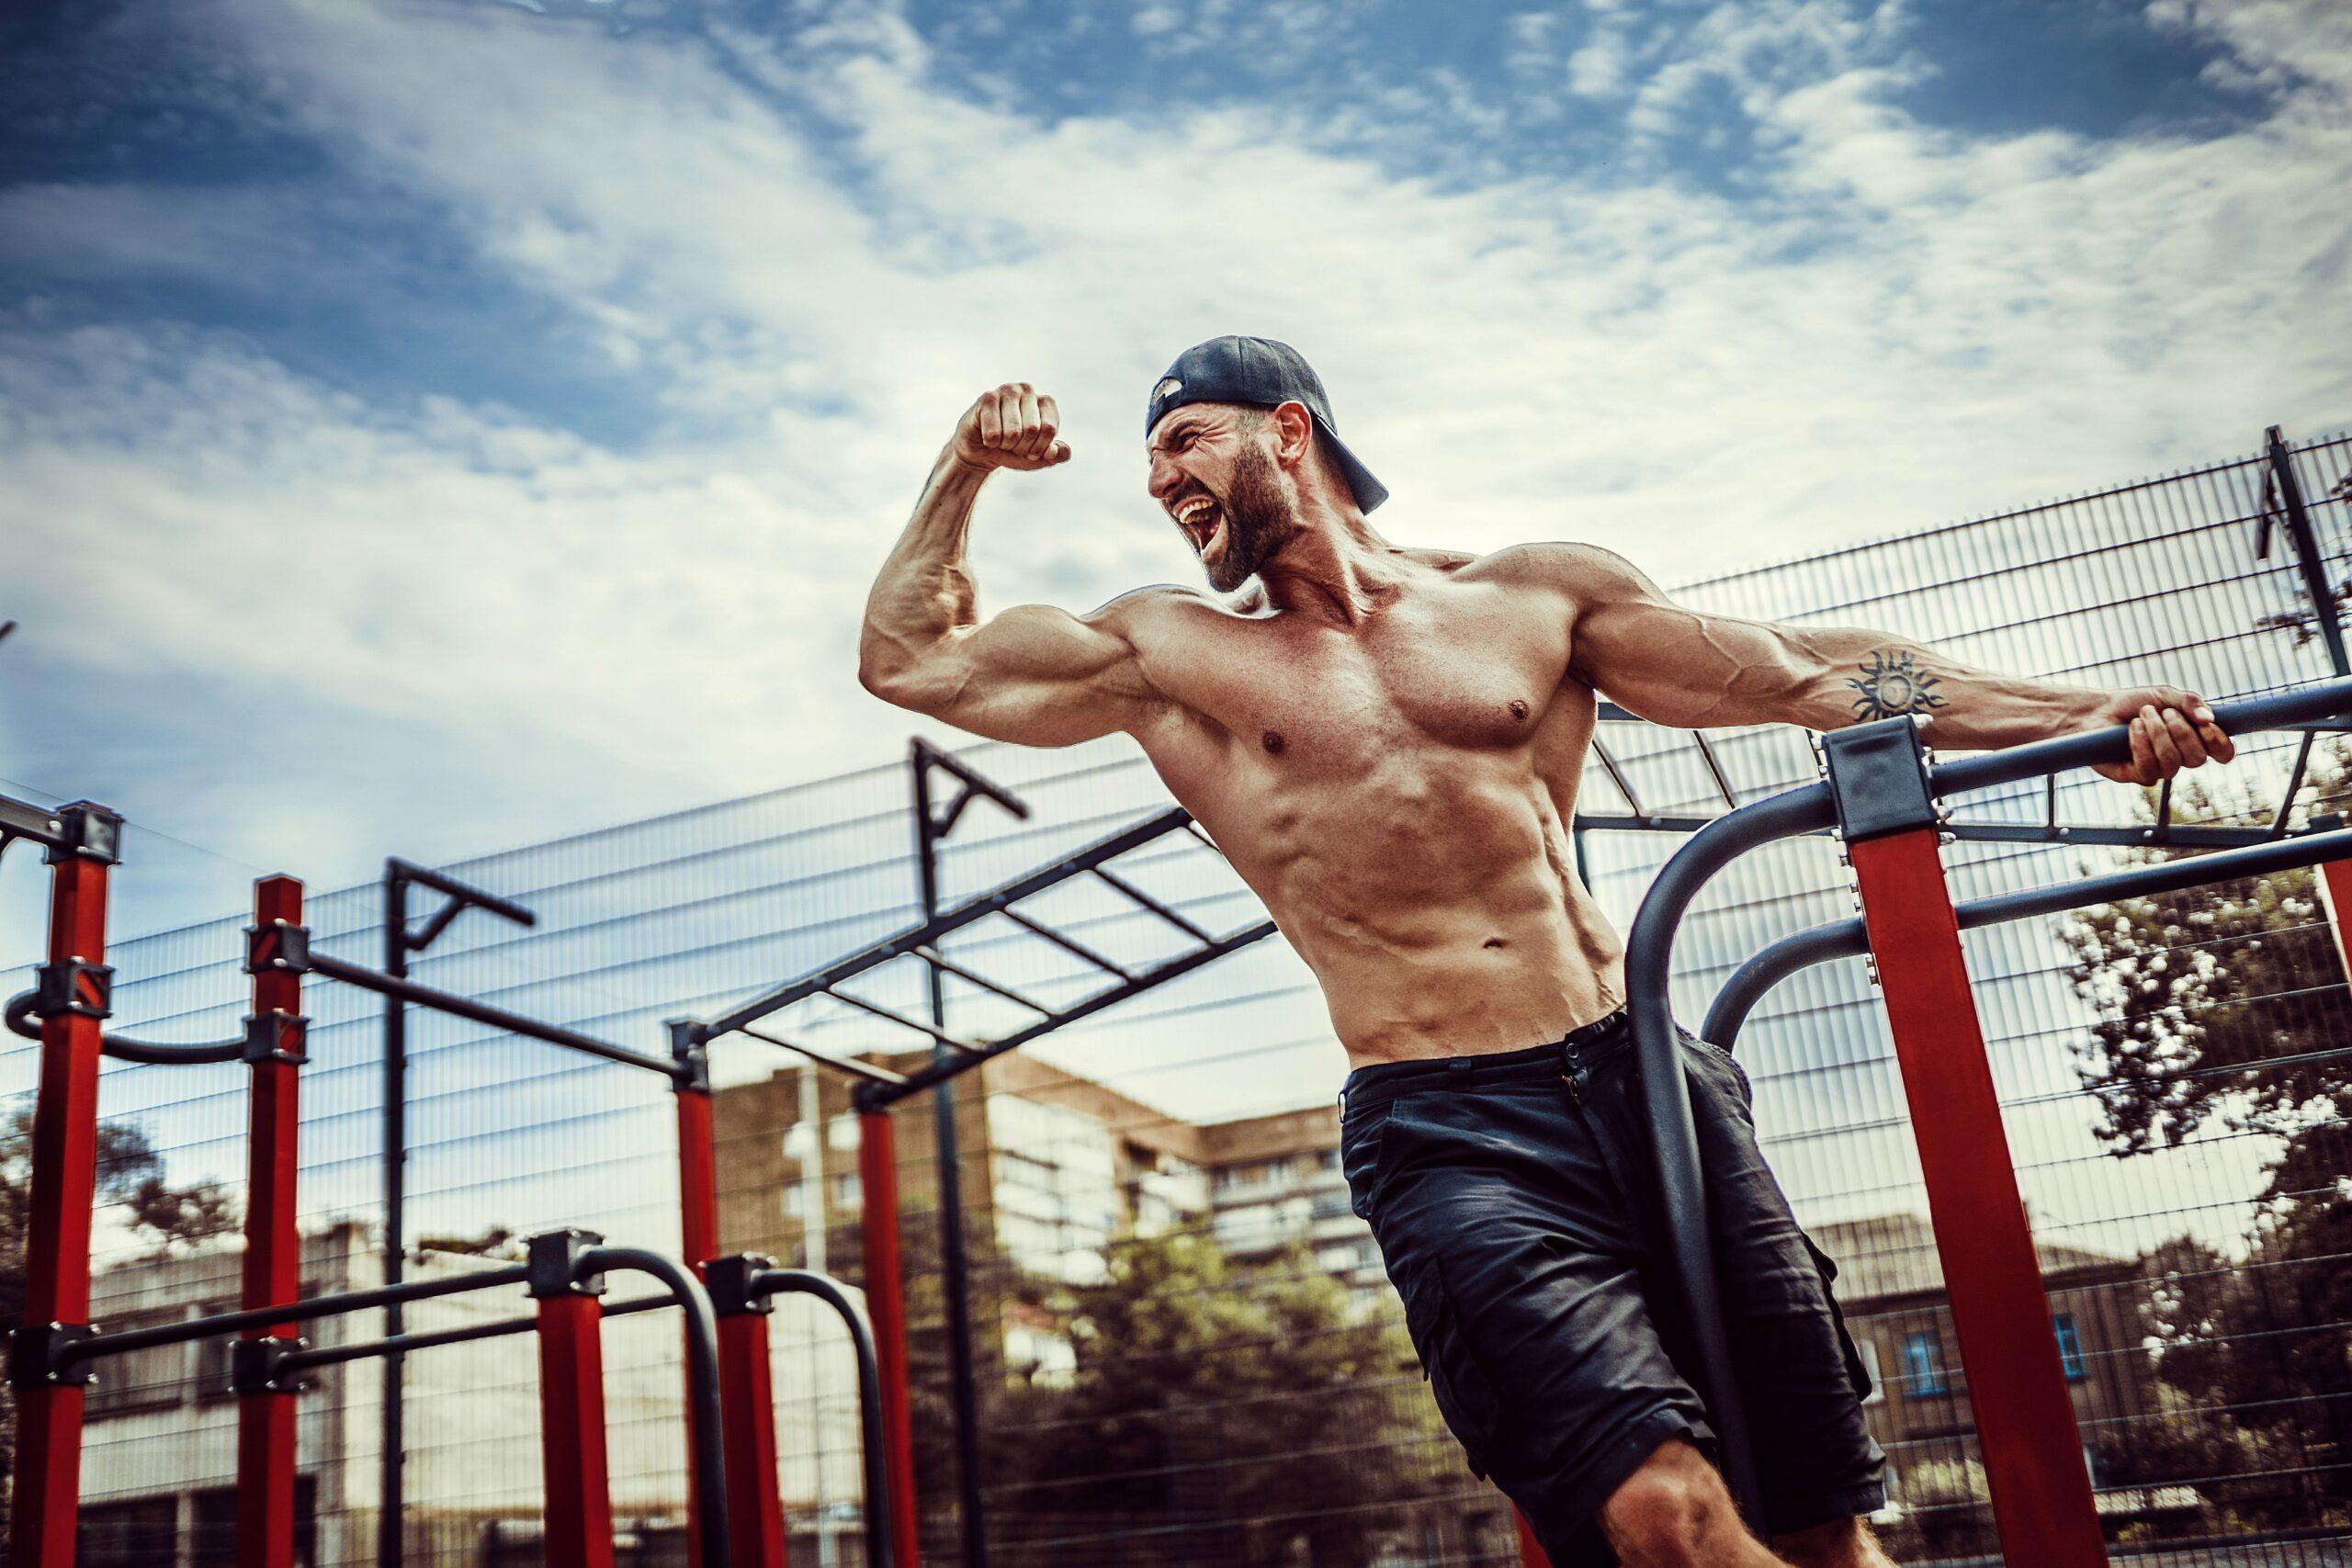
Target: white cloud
x: 1906, y: 325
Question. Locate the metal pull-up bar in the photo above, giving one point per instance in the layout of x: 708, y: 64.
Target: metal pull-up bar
x: 1883, y: 794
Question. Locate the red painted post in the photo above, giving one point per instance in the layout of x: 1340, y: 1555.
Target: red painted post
x: 572, y: 1432
x: 698, y: 1234
x: 273, y: 1265
x: 65, y: 1187
x: 886, y: 1306
x: 2334, y: 881
x: 2025, y: 1419
x: 755, y: 1522
x: 1530, y: 1550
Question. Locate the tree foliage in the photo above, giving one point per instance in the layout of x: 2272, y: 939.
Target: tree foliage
x: 130, y: 1173
x: 1258, y: 1405
x: 2223, y: 1012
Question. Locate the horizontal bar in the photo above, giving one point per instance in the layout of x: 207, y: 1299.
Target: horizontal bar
x: 866, y: 1070
x: 401, y: 869
x: 977, y: 907
x: 497, y: 1328
x: 22, y: 819
x: 878, y: 1010
x: 937, y: 1071
x: 1068, y: 945
x: 1844, y: 939
x: 483, y: 1012
x: 194, y: 1328
x: 1120, y: 885
x: 21, y: 1022
x: 931, y: 956
x: 2326, y: 700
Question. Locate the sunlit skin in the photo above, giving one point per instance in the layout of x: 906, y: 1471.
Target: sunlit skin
x: 1387, y: 742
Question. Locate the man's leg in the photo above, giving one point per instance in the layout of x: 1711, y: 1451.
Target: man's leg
x: 1842, y: 1543
x: 1674, y: 1512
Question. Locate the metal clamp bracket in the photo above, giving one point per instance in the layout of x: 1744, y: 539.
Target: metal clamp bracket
x: 554, y: 1260
x: 278, y: 948
x: 258, y: 1366
x: 277, y: 1037
x: 691, y: 1052
x: 74, y: 989
x: 733, y: 1283
x: 86, y: 832
x: 1878, y: 779
x: 40, y: 1355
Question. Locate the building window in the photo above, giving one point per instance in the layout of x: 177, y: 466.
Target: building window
x: 128, y: 1535
x: 1922, y: 1362
x: 212, y: 1358
x: 842, y: 1132
x: 140, y: 1380
x: 2070, y: 1349
x: 793, y: 1197
x: 845, y: 1189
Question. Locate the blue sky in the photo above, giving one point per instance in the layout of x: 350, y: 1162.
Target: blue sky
x: 462, y: 421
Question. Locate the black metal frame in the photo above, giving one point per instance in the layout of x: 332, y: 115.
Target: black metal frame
x: 399, y: 943
x: 1811, y: 808
x: 40, y: 1356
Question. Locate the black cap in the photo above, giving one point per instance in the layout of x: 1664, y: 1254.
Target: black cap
x: 1264, y: 374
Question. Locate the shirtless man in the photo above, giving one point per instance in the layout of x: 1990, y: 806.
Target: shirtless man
x: 1387, y: 742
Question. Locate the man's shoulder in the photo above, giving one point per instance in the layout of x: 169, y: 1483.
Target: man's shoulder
x: 1157, y: 604
x: 1561, y: 566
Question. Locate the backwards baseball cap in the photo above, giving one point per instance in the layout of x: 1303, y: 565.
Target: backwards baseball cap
x: 1265, y: 374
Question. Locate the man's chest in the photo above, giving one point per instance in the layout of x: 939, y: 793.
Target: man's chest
x: 1467, y: 670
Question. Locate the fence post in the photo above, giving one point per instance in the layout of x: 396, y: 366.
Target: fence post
x: 697, y: 1222
x: 579, y: 1505
x: 2025, y: 1418
x: 886, y: 1304
x: 273, y: 1265
x: 77, y: 997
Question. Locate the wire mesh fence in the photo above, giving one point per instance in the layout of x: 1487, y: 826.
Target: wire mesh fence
x: 1185, y: 1346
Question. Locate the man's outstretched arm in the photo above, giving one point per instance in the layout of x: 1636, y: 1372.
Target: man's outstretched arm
x: 1678, y: 666
x: 1032, y: 674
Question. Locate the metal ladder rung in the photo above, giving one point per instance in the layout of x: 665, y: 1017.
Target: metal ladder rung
x: 1068, y: 944
x: 932, y: 957
x: 1138, y: 896
x: 878, y: 1010
x: 855, y: 1069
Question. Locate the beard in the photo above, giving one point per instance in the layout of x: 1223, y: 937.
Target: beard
x: 1258, y: 520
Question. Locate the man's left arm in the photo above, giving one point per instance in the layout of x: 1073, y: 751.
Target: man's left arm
x: 1680, y: 667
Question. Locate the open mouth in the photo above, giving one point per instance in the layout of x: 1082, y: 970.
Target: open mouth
x: 1203, y: 521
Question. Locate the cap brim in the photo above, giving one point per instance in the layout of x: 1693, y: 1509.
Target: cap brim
x: 1368, y: 492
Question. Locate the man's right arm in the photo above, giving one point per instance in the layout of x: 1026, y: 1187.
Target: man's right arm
x: 1032, y: 674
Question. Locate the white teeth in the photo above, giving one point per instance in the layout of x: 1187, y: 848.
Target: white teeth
x: 1191, y: 510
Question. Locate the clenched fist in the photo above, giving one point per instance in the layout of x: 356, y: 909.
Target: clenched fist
x: 1011, y: 427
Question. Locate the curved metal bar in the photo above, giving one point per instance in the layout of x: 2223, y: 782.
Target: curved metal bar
x: 2307, y: 705
x: 1769, y: 966
x: 1845, y: 939
x: 701, y: 1374
x: 1649, y: 950
x: 803, y: 1281
x: 122, y: 1048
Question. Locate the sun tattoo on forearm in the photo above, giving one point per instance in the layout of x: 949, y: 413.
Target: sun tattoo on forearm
x: 1892, y: 684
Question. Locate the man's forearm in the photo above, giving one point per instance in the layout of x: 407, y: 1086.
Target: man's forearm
x: 925, y: 592
x: 1873, y: 675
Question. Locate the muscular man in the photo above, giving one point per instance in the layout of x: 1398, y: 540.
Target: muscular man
x: 1387, y: 742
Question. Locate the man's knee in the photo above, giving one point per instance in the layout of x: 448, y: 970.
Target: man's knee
x: 1674, y: 1512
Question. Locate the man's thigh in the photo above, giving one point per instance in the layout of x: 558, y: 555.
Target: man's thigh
x: 1802, y: 1377
x: 1512, y: 1249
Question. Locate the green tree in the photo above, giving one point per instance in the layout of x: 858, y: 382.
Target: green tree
x: 130, y: 1173
x: 2223, y: 1009
x: 1234, y: 1414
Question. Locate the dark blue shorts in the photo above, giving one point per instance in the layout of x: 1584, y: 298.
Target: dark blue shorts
x: 1517, y: 1207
